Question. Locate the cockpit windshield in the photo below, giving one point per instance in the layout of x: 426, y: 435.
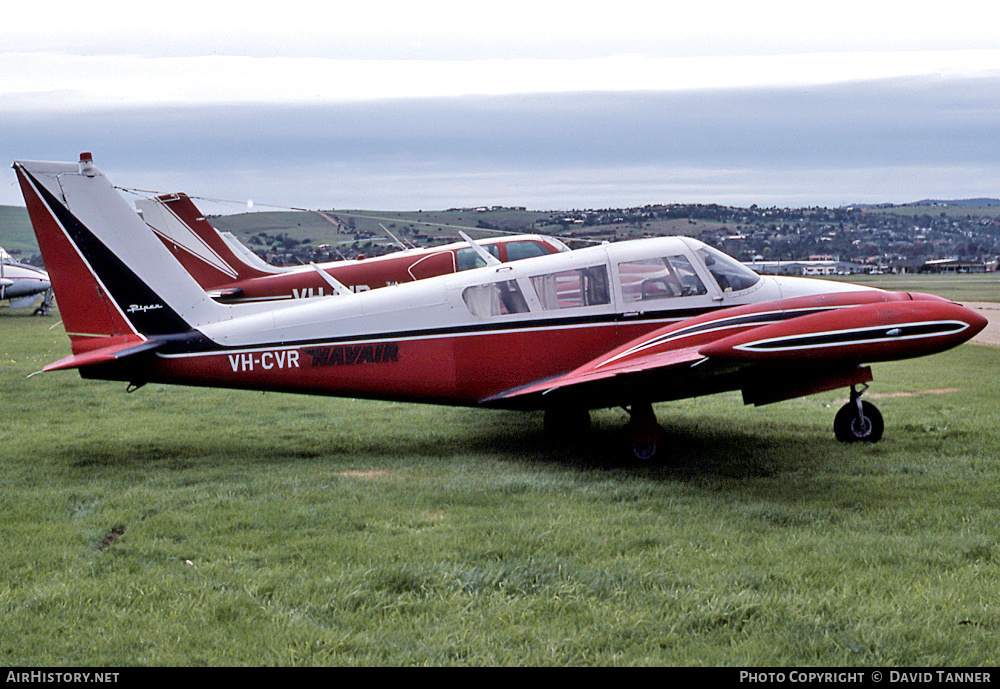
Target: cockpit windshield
x: 731, y: 275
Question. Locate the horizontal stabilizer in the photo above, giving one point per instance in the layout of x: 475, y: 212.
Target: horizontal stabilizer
x: 104, y: 355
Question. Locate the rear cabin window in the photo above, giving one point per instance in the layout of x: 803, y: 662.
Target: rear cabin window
x: 569, y: 289
x: 524, y: 249
x: 659, y: 278
x: 495, y: 299
x: 467, y: 258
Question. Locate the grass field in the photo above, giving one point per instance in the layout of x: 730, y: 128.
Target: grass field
x: 957, y: 286
x: 180, y: 526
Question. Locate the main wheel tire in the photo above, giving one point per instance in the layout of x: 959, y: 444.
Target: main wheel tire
x: 849, y: 427
x: 648, y: 450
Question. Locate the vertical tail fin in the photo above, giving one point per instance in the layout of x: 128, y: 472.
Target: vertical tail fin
x: 112, y: 278
x: 195, y: 243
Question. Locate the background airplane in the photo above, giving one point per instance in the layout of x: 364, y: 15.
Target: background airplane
x: 622, y: 324
x: 21, y: 284
x: 232, y: 273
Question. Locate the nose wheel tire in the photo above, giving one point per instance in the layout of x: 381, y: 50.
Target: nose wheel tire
x: 858, y: 422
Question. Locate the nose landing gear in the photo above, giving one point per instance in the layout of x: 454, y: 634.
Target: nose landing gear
x: 858, y: 421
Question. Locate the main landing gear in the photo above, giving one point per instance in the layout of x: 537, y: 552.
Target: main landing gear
x: 644, y: 437
x: 858, y: 421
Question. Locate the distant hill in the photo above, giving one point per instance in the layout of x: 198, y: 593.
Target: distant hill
x: 927, y: 203
x: 955, y: 202
x: 15, y: 231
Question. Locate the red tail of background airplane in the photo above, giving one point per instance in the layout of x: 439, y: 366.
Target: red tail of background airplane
x: 195, y: 243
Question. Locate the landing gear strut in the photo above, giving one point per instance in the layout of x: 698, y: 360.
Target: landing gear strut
x: 46, y: 305
x: 858, y: 421
x: 644, y: 433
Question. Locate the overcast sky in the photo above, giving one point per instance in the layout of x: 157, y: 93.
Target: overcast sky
x: 402, y: 105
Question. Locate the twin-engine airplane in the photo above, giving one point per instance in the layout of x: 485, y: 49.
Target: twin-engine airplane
x: 21, y: 284
x: 232, y: 273
x: 623, y: 324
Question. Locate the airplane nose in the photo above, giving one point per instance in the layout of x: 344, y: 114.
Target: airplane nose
x: 977, y: 321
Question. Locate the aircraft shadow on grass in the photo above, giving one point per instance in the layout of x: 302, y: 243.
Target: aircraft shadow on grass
x: 697, y: 448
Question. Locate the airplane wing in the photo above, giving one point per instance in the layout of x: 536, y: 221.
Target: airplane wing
x: 593, y: 373
x: 771, y: 352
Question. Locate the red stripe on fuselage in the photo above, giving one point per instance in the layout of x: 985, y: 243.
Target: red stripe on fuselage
x: 449, y: 369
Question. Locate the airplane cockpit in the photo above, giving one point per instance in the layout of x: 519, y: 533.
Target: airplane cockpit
x: 730, y: 274
x: 682, y: 269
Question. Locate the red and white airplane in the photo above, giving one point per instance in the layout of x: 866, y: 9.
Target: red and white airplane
x: 233, y: 274
x: 623, y: 324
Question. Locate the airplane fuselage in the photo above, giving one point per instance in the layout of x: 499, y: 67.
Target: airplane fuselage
x: 18, y: 280
x: 627, y: 324
x: 452, y: 340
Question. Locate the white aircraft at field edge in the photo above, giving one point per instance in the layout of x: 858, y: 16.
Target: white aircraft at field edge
x: 21, y: 284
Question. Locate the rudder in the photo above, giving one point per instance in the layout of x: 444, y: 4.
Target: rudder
x: 194, y: 242
x: 100, y: 295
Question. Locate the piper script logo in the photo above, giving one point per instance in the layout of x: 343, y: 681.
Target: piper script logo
x: 136, y: 308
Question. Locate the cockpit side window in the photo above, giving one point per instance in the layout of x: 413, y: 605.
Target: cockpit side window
x: 573, y: 288
x: 659, y: 278
x: 731, y: 275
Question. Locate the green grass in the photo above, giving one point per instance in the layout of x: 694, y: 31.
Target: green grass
x: 958, y: 287
x: 179, y: 526
x: 15, y: 230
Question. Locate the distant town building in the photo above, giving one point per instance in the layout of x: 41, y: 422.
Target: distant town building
x: 957, y: 265
x: 827, y: 266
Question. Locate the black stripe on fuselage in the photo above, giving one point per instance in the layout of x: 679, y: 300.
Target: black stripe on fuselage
x: 656, y: 319
x: 205, y: 345
x: 148, y: 313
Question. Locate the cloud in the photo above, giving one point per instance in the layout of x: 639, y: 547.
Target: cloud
x: 392, y: 104
x: 451, y: 29
x: 826, y: 145
x: 55, y: 82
